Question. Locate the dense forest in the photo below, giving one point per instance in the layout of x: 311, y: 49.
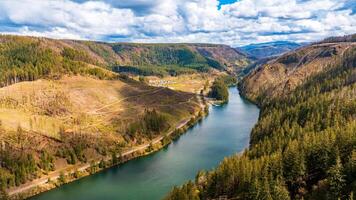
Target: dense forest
x: 303, y: 146
x: 167, y: 59
x: 26, y: 59
x: 163, y: 54
x: 160, y: 71
x: 219, y: 89
x: 151, y: 124
x: 163, y: 59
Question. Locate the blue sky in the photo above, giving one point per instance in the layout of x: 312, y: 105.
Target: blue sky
x: 224, y: 2
x: 206, y: 21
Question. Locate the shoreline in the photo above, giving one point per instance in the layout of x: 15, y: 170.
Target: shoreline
x: 75, y: 172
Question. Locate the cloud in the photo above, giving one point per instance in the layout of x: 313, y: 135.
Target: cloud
x: 242, y: 22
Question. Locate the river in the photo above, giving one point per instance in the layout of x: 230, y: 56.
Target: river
x: 224, y: 132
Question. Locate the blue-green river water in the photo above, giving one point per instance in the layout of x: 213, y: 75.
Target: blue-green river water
x: 224, y: 132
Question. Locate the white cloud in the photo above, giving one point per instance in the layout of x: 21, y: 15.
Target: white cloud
x: 239, y: 23
x: 58, y: 33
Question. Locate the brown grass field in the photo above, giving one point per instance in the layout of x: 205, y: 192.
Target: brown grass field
x: 192, y: 83
x: 87, y: 105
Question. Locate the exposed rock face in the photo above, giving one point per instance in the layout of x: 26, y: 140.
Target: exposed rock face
x: 281, y: 75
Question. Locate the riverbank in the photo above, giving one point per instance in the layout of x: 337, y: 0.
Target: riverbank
x: 72, y: 173
x: 225, y: 131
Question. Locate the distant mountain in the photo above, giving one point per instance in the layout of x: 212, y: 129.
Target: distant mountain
x: 268, y: 49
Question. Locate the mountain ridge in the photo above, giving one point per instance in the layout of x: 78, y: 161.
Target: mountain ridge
x: 268, y: 49
x: 154, y: 59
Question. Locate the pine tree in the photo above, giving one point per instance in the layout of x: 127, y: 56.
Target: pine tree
x: 254, y: 190
x: 62, y: 178
x: 264, y: 191
x: 280, y: 192
x: 114, y: 158
x: 102, y: 163
x: 293, y: 167
x: 336, y: 179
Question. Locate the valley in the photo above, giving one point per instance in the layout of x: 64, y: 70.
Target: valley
x: 64, y: 113
x: 77, y: 121
x: 177, y: 100
x: 303, y: 145
x: 203, y: 146
x: 70, y: 109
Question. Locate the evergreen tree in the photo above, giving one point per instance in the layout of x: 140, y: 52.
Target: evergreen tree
x: 219, y: 91
x: 336, y: 180
x: 62, y: 178
x: 264, y: 191
x: 254, y: 190
x: 280, y: 192
x: 114, y: 159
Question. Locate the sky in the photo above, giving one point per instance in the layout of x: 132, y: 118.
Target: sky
x: 232, y: 22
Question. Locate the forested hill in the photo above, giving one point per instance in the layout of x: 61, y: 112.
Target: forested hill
x: 30, y: 58
x: 303, y: 146
x: 57, y: 114
x: 199, y: 57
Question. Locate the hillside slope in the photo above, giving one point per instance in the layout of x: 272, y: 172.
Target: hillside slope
x: 61, y: 106
x: 49, y: 125
x: 304, y: 144
x: 162, y: 59
x: 29, y: 58
x: 283, y: 74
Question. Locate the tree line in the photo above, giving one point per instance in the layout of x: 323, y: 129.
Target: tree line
x: 303, y: 146
x: 26, y: 59
x: 219, y: 89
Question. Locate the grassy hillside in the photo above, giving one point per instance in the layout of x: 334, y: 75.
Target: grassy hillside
x: 48, y: 124
x: 303, y: 146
